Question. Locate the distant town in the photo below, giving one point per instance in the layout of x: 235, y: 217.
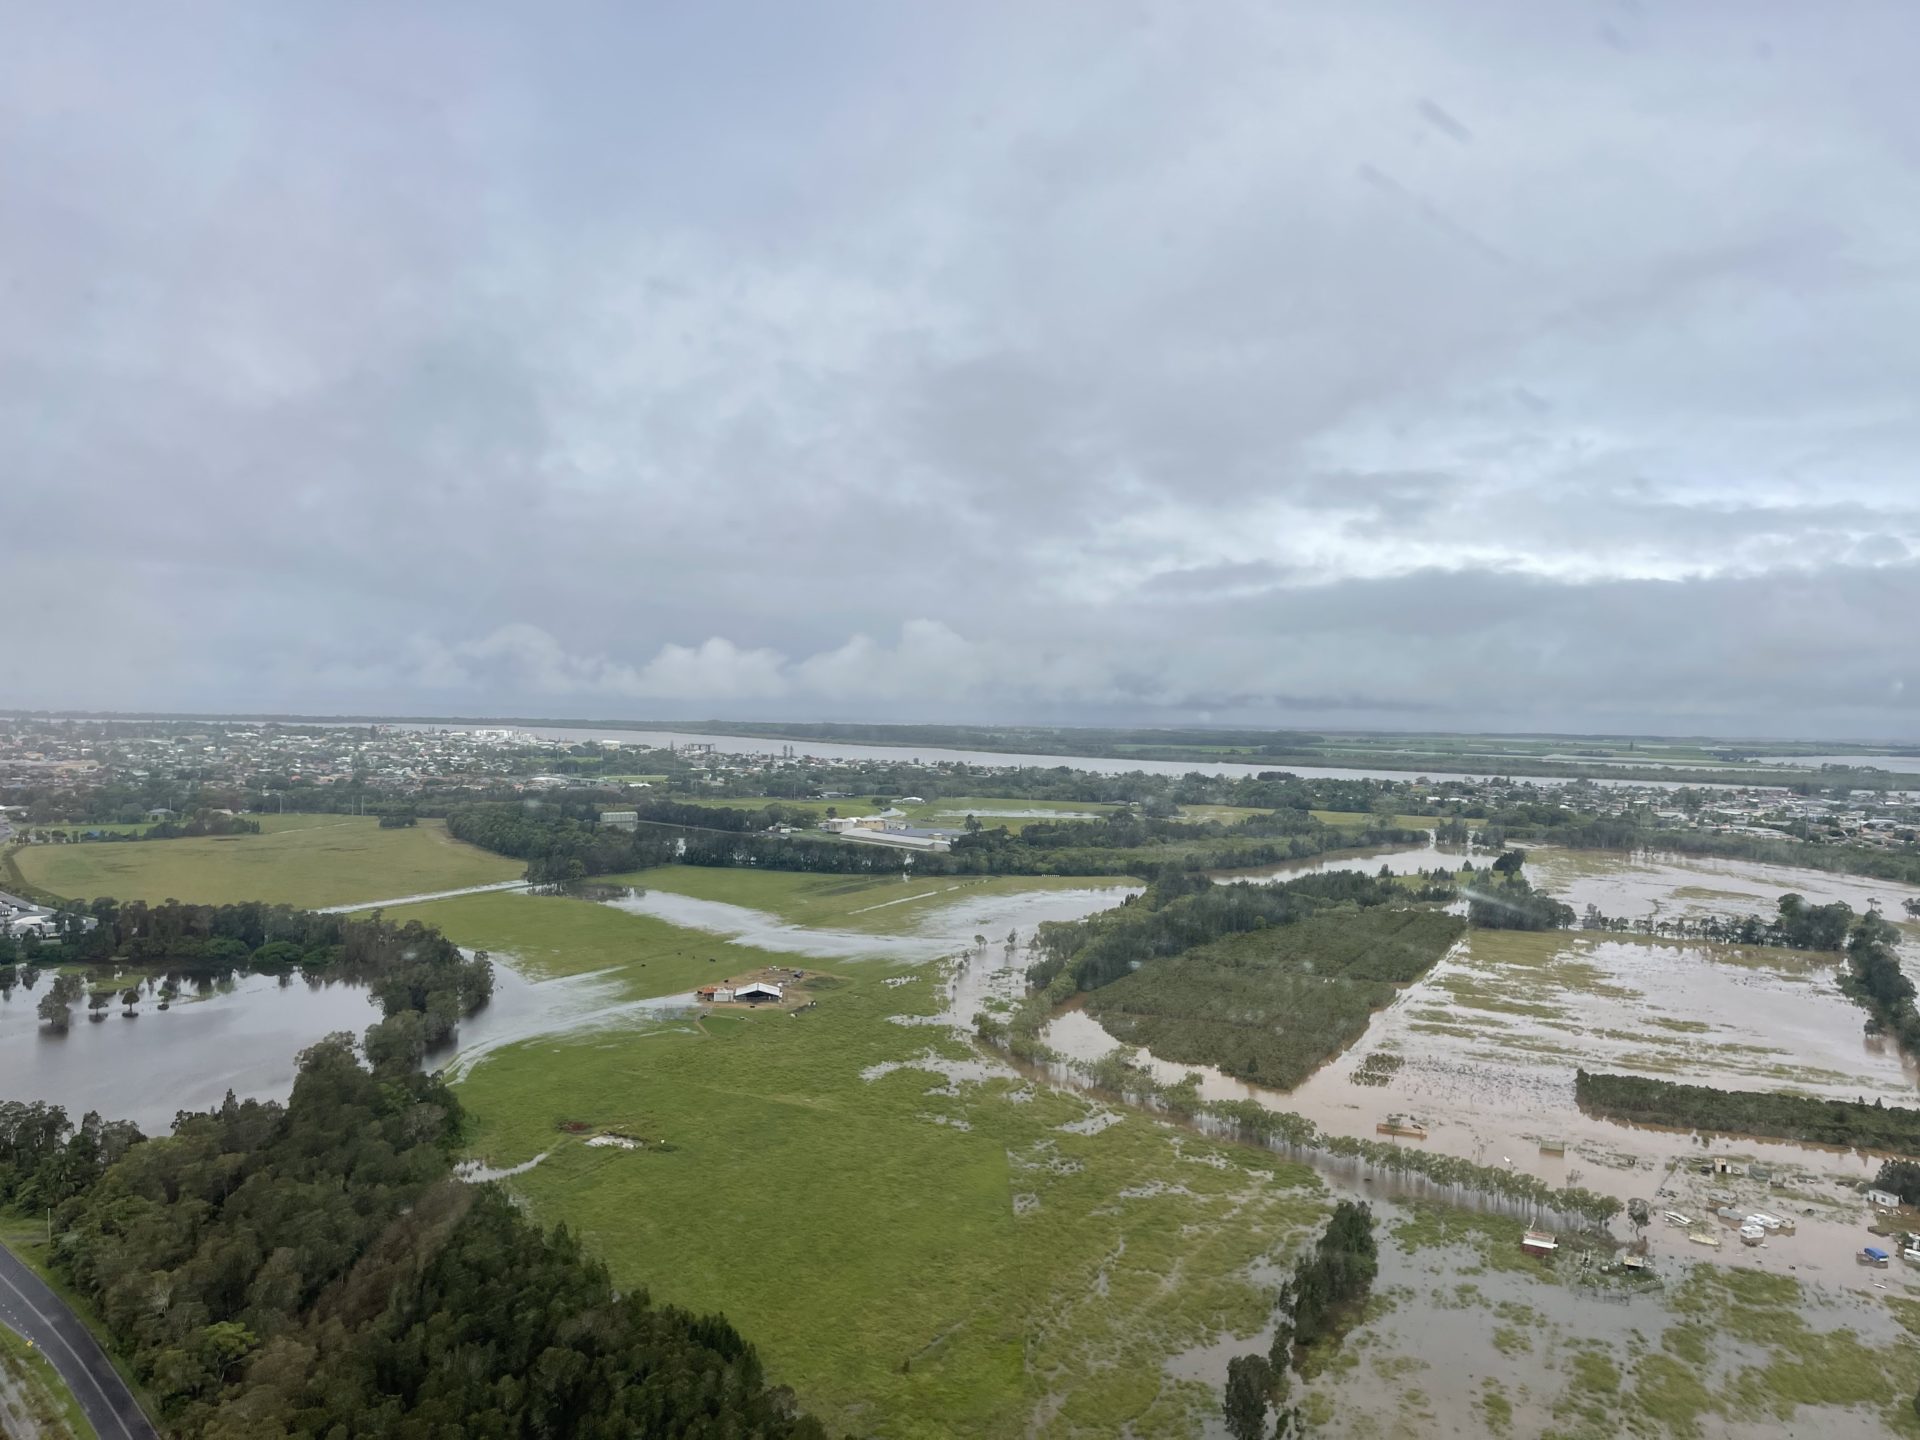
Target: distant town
x: 59, y: 777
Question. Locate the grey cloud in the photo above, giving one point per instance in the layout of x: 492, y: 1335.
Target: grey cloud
x: 1446, y: 124
x: 1007, y: 361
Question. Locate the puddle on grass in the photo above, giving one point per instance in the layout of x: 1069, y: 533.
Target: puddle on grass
x: 476, y: 1172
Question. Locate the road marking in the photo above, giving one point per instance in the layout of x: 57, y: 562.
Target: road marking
x: 85, y: 1369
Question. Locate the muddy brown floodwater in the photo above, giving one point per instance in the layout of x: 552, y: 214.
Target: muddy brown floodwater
x: 1487, y: 1044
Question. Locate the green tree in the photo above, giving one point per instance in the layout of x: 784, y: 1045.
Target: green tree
x: 1245, y: 1404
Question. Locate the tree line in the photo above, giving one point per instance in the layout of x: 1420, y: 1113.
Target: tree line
x: 1329, y: 1285
x: 564, y: 842
x: 1876, y: 982
x: 1796, y: 925
x: 1853, y: 1124
x: 314, y: 1270
x: 194, y: 827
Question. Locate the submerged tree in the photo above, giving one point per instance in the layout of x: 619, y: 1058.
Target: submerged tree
x: 1245, y: 1405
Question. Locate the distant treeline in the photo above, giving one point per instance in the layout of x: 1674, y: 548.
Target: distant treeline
x: 1765, y: 1114
x: 419, y: 978
x: 207, y: 822
x: 1796, y: 926
x: 565, y: 842
x: 313, y: 1270
x: 1625, y: 834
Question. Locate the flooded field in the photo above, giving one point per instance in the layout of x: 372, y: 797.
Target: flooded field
x: 941, y: 931
x: 1651, y: 885
x: 244, y: 1035
x: 1467, y: 1336
x: 1397, y: 859
x: 1481, y: 1052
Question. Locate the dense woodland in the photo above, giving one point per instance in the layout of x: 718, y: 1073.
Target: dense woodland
x: 1272, y: 1004
x: 313, y: 1269
x: 1767, y: 1115
x: 419, y: 978
x: 1179, y: 912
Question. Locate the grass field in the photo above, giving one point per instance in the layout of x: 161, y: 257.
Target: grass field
x: 849, y: 902
x: 299, y: 860
x: 556, y: 935
x: 756, y: 802
x: 914, y: 1258
x: 1356, y: 820
x: 950, y: 812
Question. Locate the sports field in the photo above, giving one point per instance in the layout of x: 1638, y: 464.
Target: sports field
x: 308, y: 860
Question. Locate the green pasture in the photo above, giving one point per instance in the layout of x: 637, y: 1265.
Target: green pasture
x: 913, y: 1262
x: 757, y: 802
x: 553, y: 935
x: 306, y: 860
x: 1359, y: 820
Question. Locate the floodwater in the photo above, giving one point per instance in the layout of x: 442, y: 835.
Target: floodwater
x: 1652, y: 883
x: 241, y: 1036
x: 1490, y: 1038
x: 1430, y: 1356
x: 940, y: 932
x: 245, y: 1035
x: 1398, y: 860
x: 1903, y: 764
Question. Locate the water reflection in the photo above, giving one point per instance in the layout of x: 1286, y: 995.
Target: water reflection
x: 244, y: 1034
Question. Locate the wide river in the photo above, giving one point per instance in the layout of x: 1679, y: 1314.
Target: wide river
x: 759, y: 745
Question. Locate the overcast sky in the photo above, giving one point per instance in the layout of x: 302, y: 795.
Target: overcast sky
x: 1490, y: 363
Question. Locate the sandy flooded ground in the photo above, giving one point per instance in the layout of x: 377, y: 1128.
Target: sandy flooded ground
x: 1650, y: 885
x: 1467, y: 1337
x: 940, y: 932
x: 1482, y: 1052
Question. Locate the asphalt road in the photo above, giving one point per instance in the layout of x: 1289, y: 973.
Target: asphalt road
x: 29, y: 1308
